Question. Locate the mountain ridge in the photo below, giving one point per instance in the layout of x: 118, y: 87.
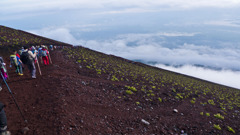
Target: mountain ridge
x: 10, y: 37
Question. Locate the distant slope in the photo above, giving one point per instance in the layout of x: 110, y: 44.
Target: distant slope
x: 13, y: 37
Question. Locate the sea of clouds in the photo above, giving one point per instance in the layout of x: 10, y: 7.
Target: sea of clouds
x: 219, y: 64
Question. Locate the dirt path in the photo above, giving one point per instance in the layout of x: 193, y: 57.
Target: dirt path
x: 37, y: 99
x: 59, y: 102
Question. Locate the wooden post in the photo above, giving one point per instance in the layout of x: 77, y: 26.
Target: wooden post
x: 49, y: 57
x: 39, y: 68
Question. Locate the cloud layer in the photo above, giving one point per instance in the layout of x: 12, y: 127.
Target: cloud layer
x: 225, y: 77
x: 152, y: 47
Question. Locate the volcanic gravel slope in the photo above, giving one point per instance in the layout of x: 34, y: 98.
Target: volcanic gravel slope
x: 69, y: 99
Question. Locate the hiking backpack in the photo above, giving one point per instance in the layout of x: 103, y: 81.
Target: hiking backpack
x: 44, y: 53
x: 26, y: 58
x: 13, y: 60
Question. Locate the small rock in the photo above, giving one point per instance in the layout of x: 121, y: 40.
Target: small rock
x: 145, y: 130
x: 145, y: 122
x: 175, y: 110
x: 83, y: 83
x: 109, y: 130
x: 130, y: 128
x: 25, y: 130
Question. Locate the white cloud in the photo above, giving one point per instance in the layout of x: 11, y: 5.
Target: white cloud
x: 60, y: 34
x: 223, y: 23
x: 125, y: 11
x: 136, y: 36
x: 146, y: 49
x: 225, y: 77
x: 42, y: 5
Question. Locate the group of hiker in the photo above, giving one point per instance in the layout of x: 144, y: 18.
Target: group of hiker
x: 29, y: 57
x: 19, y: 59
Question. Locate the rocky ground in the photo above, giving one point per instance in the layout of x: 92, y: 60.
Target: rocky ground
x: 68, y: 100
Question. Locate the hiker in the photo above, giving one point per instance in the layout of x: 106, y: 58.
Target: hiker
x: 34, y: 50
x: 44, y: 54
x: 51, y: 47
x: 40, y: 54
x: 1, y: 66
x: 19, y: 52
x: 3, y: 121
x: 15, y: 61
x: 22, y: 49
x: 3, y: 69
x: 28, y: 58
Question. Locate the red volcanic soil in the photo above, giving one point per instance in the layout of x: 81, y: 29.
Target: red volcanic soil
x: 69, y: 101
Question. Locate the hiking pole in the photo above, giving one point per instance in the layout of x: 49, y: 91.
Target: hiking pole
x: 25, y: 129
x: 49, y: 57
x: 13, y: 98
x: 41, y: 59
x: 39, y: 68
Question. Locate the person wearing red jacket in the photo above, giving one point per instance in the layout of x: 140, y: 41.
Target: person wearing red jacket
x: 45, y: 56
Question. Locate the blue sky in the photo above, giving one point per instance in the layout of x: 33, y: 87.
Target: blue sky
x: 177, y: 33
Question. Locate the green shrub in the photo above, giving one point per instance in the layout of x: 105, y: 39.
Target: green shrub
x: 129, y: 92
x: 114, y: 78
x: 211, y: 102
x: 218, y: 115
x: 179, y: 95
x: 99, y: 71
x: 217, y: 127
x: 159, y: 99
x: 208, y: 114
x: 131, y: 88
x: 79, y: 61
x: 193, y: 100
x: 174, y: 90
x: 230, y: 129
